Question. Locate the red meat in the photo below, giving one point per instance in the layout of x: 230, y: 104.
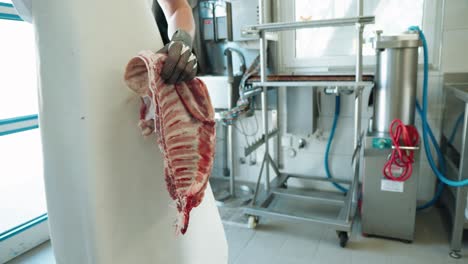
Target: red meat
x: 183, y: 118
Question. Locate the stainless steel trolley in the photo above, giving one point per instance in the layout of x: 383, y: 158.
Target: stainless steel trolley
x: 275, y: 190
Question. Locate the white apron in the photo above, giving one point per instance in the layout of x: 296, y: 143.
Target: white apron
x: 106, y: 196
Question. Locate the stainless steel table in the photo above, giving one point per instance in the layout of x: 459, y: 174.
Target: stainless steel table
x: 455, y: 149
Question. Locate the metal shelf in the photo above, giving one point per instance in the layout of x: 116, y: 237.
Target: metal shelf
x: 336, y: 224
x: 271, y: 207
x: 283, y: 26
x: 345, y: 87
x: 313, y: 84
x: 328, y: 198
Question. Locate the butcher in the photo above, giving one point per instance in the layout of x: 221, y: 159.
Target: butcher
x: 106, y: 186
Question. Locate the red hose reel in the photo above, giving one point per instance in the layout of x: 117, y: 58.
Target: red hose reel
x: 401, y: 159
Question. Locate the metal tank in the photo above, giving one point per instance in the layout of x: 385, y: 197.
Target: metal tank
x: 396, y: 78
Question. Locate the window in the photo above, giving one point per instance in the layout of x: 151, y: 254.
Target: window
x: 18, y: 94
x: 23, y: 218
x: 335, y: 47
x: 22, y: 188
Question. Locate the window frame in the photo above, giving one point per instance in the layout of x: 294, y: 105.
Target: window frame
x: 287, y: 61
x: 25, y: 236
x: 8, y: 12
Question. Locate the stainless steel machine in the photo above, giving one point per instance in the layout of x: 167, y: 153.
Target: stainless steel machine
x: 389, y: 206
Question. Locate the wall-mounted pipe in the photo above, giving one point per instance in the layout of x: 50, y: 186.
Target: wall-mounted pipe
x: 243, y: 66
x: 230, y: 134
x: 215, y: 27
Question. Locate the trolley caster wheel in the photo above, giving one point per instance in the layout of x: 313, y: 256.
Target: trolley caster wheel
x: 284, y: 185
x: 252, y: 222
x: 455, y: 254
x: 343, y: 236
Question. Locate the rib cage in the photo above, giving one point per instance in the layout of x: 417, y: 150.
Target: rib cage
x: 182, y: 117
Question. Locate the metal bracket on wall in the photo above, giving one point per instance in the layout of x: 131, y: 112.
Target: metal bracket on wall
x: 258, y: 142
x: 337, y: 90
x: 406, y: 147
x: 357, y: 149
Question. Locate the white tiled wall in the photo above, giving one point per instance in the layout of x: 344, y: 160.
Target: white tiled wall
x: 456, y: 14
x: 454, y: 58
x: 455, y: 37
x: 454, y: 55
x: 243, y: 171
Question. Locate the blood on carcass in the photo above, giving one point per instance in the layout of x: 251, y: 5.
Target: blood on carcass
x: 182, y: 117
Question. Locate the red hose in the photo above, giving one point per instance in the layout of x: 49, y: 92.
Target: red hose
x: 407, y: 136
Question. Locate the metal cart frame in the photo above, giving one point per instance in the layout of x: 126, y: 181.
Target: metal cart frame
x: 455, y: 199
x: 344, y: 221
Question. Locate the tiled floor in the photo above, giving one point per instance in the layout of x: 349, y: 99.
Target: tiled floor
x: 278, y: 242
x: 284, y: 242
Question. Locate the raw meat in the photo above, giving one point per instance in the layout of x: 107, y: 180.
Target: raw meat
x: 182, y: 117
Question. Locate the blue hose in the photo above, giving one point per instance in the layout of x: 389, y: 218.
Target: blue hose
x: 442, y: 165
x: 425, y: 126
x: 330, y: 139
x: 440, y: 185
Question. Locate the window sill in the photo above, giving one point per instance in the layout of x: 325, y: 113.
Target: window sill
x: 40, y: 254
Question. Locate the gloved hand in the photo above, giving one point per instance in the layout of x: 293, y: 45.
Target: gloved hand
x: 181, y: 63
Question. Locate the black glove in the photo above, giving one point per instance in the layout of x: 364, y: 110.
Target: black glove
x: 181, y: 63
